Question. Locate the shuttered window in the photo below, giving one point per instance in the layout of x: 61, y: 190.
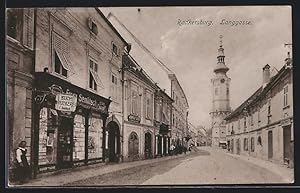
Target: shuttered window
x: 28, y: 27
x: 61, y: 54
x: 94, y: 79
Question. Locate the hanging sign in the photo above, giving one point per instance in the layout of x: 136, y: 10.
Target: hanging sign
x: 66, y: 102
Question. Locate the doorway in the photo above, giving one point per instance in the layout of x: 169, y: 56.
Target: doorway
x: 133, y: 147
x: 65, y: 141
x: 287, y: 149
x: 148, y: 146
x: 270, y: 144
x: 113, y: 142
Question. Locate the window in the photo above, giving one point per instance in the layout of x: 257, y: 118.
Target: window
x: 134, y: 100
x: 245, y: 122
x: 14, y: 23
x: 93, y: 26
x: 245, y: 144
x: 285, y: 96
x: 239, y: 124
x: 148, y: 105
x: 269, y: 107
x: 20, y: 25
x: 216, y: 91
x: 258, y: 115
x: 61, y: 54
x: 252, y: 144
x: 28, y: 28
x: 227, y: 91
x: 114, y: 87
x: 259, y: 140
x: 94, y: 79
x: 115, y: 49
x: 251, y: 119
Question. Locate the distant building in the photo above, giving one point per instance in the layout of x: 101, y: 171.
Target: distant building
x: 179, y: 112
x: 220, y: 99
x: 262, y: 126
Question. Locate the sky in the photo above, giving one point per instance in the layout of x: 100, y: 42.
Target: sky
x: 190, y: 50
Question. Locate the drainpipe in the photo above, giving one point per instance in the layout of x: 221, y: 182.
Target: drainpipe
x: 34, y: 146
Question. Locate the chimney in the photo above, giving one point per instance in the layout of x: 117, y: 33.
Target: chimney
x: 266, y: 74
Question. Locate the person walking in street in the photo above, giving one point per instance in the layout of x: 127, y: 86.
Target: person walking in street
x: 22, y: 167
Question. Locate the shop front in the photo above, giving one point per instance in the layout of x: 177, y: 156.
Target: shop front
x: 69, y: 125
x: 163, y: 140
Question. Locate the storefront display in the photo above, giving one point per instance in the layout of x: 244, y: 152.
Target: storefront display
x: 70, y: 124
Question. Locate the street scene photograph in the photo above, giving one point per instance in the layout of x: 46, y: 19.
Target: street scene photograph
x: 149, y: 96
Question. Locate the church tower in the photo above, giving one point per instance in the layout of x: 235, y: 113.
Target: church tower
x: 220, y: 98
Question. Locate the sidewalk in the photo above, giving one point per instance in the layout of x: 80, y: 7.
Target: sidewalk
x: 286, y: 173
x: 71, y: 175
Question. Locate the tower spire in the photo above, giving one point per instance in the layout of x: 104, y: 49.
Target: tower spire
x: 221, y: 67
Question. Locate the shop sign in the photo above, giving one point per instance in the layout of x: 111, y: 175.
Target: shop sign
x: 134, y: 118
x: 66, y: 102
x: 91, y: 103
x: 285, y: 122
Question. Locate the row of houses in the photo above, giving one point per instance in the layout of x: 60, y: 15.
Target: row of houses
x: 77, y: 96
x: 262, y: 126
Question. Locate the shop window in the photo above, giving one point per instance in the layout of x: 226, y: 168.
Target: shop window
x: 48, y: 127
x: 61, y: 55
x: 252, y: 144
x: 95, y: 138
x: 79, y: 138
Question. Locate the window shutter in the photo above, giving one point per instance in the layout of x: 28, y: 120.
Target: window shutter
x: 28, y: 27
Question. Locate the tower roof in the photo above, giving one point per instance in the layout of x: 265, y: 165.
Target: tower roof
x: 220, y: 66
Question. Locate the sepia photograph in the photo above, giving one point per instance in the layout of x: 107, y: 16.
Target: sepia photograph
x: 149, y: 96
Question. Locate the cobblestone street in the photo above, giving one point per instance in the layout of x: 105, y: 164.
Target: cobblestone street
x: 198, y: 168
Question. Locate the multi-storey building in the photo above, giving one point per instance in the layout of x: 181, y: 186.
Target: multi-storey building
x: 179, y: 112
x: 262, y: 126
x: 76, y: 104
x: 139, y: 130
x: 163, y: 106
x: 220, y: 99
x: 20, y: 67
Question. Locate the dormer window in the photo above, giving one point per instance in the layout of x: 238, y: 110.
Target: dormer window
x: 92, y: 26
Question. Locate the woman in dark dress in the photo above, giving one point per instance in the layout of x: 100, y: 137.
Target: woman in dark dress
x: 22, y: 167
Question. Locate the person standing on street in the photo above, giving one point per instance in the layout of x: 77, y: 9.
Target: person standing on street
x: 22, y: 171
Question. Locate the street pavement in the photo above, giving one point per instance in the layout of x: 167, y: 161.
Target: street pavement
x: 205, y: 166
x: 222, y: 168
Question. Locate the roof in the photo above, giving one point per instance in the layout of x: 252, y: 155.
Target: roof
x: 110, y: 25
x: 259, y: 93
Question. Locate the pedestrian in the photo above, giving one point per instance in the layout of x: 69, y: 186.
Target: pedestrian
x: 22, y: 167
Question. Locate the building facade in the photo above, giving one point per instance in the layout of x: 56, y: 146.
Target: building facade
x: 70, y: 61
x: 220, y: 99
x: 179, y: 129
x: 262, y: 126
x: 20, y: 68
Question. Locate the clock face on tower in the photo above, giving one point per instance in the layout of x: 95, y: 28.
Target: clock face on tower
x: 222, y: 80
